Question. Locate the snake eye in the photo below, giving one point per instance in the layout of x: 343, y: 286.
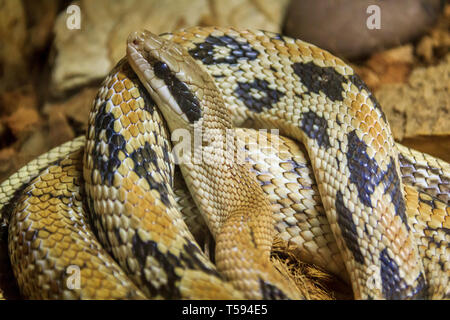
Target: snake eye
x: 161, y: 70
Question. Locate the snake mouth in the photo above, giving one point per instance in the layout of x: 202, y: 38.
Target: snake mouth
x: 144, y: 52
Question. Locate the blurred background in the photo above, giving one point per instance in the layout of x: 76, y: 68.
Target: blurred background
x: 54, y: 54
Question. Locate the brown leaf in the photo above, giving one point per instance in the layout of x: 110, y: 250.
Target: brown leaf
x: 22, y: 121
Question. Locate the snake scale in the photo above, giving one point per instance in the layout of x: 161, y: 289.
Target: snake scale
x: 110, y: 204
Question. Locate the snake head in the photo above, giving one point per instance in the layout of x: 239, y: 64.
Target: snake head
x: 171, y: 76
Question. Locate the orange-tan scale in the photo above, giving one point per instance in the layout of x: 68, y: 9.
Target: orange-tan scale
x: 226, y: 191
x: 134, y: 218
x: 426, y: 173
x: 53, y: 251
x: 288, y: 180
x: 430, y: 219
x: 284, y: 171
x: 291, y: 70
x: 280, y: 83
x: 10, y: 190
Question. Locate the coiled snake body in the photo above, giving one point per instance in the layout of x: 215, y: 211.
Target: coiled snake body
x: 377, y: 233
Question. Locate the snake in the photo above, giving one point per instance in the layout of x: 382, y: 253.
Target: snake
x: 105, y: 204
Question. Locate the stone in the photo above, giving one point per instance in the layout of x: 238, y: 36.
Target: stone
x: 23, y: 121
x: 423, y: 101
x: 13, y: 51
x: 341, y: 26
x: 86, y: 55
x: 389, y: 66
x: 419, y: 110
x: 74, y: 110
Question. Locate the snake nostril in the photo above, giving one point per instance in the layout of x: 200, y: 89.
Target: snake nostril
x: 136, y: 41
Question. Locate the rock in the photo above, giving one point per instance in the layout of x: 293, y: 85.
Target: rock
x: 425, y: 48
x: 12, y: 158
x: 421, y: 106
x: 390, y: 66
x: 12, y: 100
x: 2, y: 129
x: 340, y: 26
x: 88, y: 54
x: 41, y: 15
x: 34, y: 145
x: 13, y: 51
x: 78, y: 107
x: 25, y: 30
x: 431, y: 48
x: 74, y: 110
x: 6, y: 165
x: 23, y: 121
x: 259, y: 14
x: 59, y: 130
